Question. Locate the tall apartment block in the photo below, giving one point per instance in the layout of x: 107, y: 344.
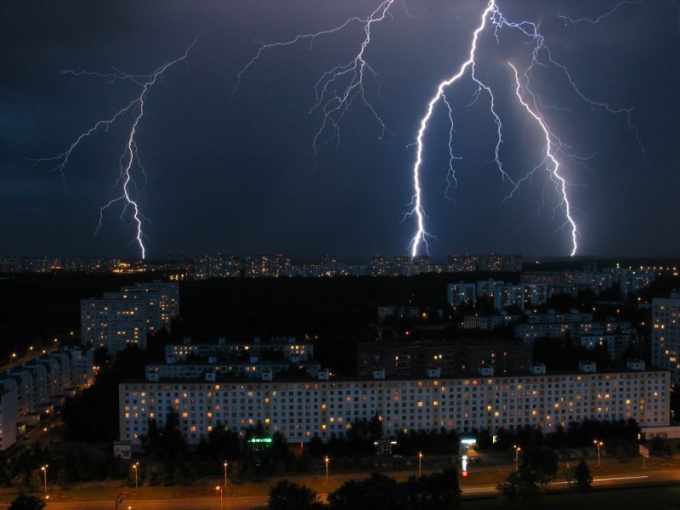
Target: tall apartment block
x: 126, y: 317
x: 666, y: 334
x: 163, y: 296
x: 113, y: 323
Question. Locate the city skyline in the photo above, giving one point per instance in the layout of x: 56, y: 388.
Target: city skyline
x: 229, y: 156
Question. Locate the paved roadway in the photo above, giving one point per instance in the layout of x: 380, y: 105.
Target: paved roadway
x: 242, y: 503
x: 249, y: 502
x: 602, y: 481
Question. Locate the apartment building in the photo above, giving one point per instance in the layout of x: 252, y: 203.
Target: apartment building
x: 166, y: 294
x: 489, y: 322
x: 126, y: 317
x: 306, y: 408
x: 551, y: 325
x: 571, y: 282
x: 38, y: 384
x: 499, y: 262
x: 218, y: 370
x: 666, y: 334
x: 461, y: 293
x: 502, y: 295
x: 113, y: 323
x: 615, y: 336
x: 461, y: 263
x: 413, y: 359
x: 8, y: 417
x: 282, y: 348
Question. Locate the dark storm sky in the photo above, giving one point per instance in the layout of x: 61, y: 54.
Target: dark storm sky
x: 235, y: 174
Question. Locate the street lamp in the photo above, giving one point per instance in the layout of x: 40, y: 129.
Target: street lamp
x: 517, y: 450
x: 218, y: 488
x: 420, y: 464
x: 326, y: 461
x: 135, y: 466
x: 599, y: 444
x: 226, y: 464
x: 44, y: 470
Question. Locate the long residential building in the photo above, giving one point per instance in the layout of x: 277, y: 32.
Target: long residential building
x: 280, y: 348
x: 411, y: 359
x: 502, y: 295
x: 302, y: 409
x: 37, y: 385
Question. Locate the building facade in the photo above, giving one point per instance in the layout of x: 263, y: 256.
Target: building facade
x: 666, y: 334
x: 8, y: 417
x: 36, y: 386
x: 501, y: 294
x: 114, y: 323
x: 416, y: 359
x: 303, y: 409
x: 126, y: 317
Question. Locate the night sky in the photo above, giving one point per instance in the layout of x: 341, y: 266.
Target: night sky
x: 232, y: 170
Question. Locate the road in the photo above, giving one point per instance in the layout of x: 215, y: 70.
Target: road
x: 249, y: 502
x: 603, y: 481
x: 241, y: 503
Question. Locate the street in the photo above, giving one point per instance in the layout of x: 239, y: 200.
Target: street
x: 249, y: 502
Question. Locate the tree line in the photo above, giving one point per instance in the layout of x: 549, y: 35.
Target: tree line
x: 436, y: 491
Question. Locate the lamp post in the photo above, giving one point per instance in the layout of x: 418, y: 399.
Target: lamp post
x: 44, y: 470
x: 420, y: 464
x: 599, y: 444
x: 326, y: 461
x: 218, y: 488
x: 135, y: 466
x: 226, y: 465
x: 517, y: 450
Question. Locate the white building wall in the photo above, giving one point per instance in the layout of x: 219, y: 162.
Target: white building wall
x: 63, y: 360
x: 666, y: 334
x: 8, y: 417
x: 460, y: 293
x: 25, y: 398
x: 82, y: 366
x: 40, y: 382
x: 301, y: 410
x: 114, y: 323
x: 41, y: 379
x: 168, y: 299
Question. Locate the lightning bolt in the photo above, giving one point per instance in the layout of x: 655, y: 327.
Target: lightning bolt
x: 129, y: 161
x: 340, y: 87
x: 549, y: 161
x: 595, y: 21
x: 492, y: 17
